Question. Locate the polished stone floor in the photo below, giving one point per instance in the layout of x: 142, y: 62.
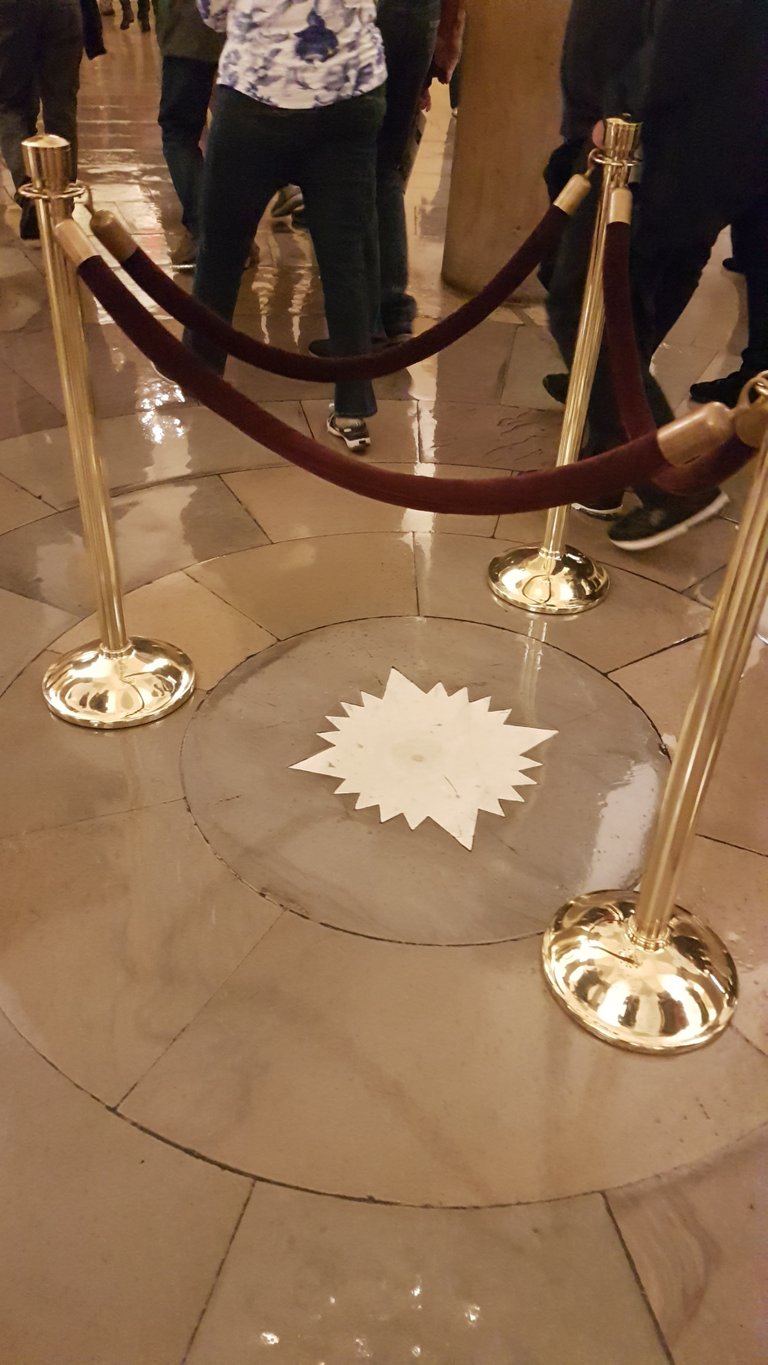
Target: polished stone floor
x: 282, y: 1082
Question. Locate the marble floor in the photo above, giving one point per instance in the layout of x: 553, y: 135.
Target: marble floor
x: 280, y: 1081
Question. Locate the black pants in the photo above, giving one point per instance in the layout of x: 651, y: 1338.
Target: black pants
x: 749, y: 234
x: 409, y: 29
x: 184, y: 98
x: 41, y: 44
x: 253, y: 149
x: 667, y: 260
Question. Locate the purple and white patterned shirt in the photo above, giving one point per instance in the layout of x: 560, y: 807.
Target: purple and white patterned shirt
x: 298, y: 54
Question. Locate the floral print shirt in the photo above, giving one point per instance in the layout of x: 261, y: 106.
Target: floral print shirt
x: 298, y: 54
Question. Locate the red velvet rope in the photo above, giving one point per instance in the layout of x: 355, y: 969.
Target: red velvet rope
x: 193, y: 314
x: 627, y: 377
x: 603, y: 474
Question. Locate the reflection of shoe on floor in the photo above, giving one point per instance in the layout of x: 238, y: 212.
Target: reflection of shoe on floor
x: 603, y: 509
x: 726, y: 390
x: 287, y: 201
x: 556, y: 385
x: 184, y: 254
x: 299, y: 219
x: 353, y: 431
x: 649, y: 526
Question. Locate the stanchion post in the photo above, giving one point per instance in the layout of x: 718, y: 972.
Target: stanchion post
x: 554, y: 578
x: 633, y: 967
x: 117, y: 681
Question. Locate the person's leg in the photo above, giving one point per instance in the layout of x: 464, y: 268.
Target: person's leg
x: 244, y: 137
x: 60, y: 54
x: 142, y: 9
x: 185, y: 94
x: 338, y: 180
x: 19, y: 39
x: 408, y: 28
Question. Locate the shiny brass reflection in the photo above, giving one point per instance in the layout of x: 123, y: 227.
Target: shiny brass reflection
x: 673, y: 997
x: 554, y: 579
x: 117, y: 682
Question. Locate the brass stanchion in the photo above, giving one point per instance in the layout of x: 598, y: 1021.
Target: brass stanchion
x: 555, y: 579
x: 116, y: 682
x: 633, y: 967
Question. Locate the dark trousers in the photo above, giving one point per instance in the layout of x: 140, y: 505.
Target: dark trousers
x: 253, y: 149
x: 749, y: 234
x: 667, y: 260
x: 184, y: 98
x: 41, y: 44
x: 409, y: 29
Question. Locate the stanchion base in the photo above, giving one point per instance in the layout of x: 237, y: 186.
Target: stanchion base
x: 554, y: 585
x: 107, y: 691
x: 667, y: 999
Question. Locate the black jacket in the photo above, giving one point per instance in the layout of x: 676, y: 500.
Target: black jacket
x: 695, y: 72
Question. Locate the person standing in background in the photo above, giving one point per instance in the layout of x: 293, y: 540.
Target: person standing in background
x: 300, y: 100
x: 190, y: 52
x: 420, y: 36
x: 41, y: 46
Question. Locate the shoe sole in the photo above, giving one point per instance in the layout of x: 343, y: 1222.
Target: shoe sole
x: 599, y: 513
x: 356, y: 445
x: 662, y: 537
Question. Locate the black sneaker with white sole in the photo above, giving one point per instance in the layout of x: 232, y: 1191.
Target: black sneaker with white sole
x: 353, y: 431
x: 650, y: 525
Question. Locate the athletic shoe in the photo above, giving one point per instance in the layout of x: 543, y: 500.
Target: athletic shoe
x: 184, y: 254
x: 603, y: 509
x: 353, y: 431
x: 648, y: 526
x: 726, y: 390
x: 556, y: 385
x: 287, y: 201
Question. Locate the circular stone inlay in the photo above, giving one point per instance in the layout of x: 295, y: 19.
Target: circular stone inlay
x: 582, y: 826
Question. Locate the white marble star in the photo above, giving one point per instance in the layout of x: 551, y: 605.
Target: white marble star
x: 427, y: 756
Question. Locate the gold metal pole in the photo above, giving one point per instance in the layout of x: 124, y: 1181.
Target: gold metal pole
x: 555, y: 579
x: 116, y: 682
x: 633, y: 967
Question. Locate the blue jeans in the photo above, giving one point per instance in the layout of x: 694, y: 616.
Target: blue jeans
x: 184, y: 98
x: 409, y: 29
x: 254, y: 149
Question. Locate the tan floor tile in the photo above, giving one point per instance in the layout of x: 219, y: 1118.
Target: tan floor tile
x: 62, y: 773
x: 183, y: 612
x: 473, y: 370
x: 26, y: 627
x: 336, y: 1281
x: 17, y: 508
x: 637, y: 618
x: 678, y: 565
x: 300, y: 585
x: 115, y: 933
x: 728, y: 887
x: 141, y: 448
x: 676, y: 367
x: 22, y: 407
x: 734, y: 809
x: 534, y: 354
x: 498, y: 436
x: 290, y: 504
x: 110, y: 1240
x: 598, y: 785
x: 23, y: 298
x: 697, y: 1239
x: 157, y: 530
x: 432, y: 1076
x: 394, y: 430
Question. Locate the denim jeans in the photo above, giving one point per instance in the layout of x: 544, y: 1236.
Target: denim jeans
x: 330, y: 152
x: 184, y: 98
x: 41, y: 44
x: 409, y: 29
